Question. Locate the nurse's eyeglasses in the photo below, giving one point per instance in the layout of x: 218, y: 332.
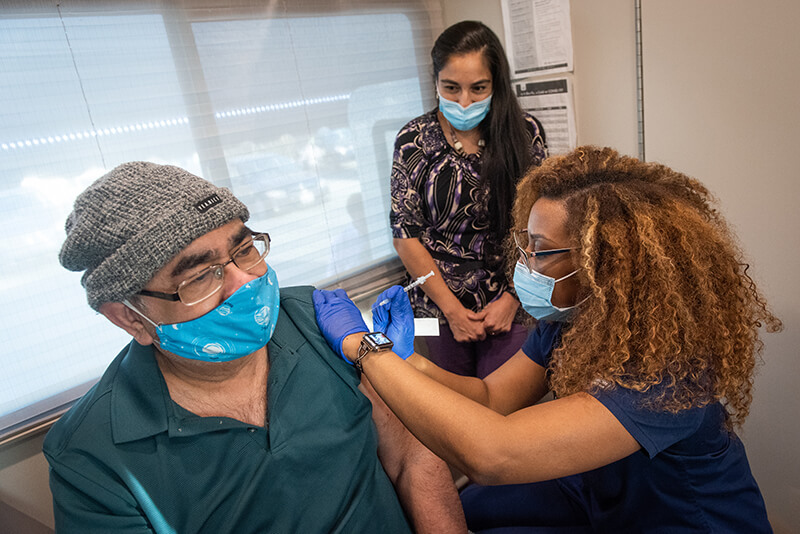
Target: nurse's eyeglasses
x: 530, y: 259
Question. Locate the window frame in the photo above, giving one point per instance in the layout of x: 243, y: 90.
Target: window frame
x: 361, y: 285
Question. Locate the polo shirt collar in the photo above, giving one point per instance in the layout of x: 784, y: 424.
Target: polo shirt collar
x: 139, y: 396
x: 283, y: 356
x: 140, y: 403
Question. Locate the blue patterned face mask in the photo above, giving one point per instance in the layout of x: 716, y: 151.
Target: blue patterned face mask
x: 467, y: 118
x: 239, y: 326
x: 535, y: 292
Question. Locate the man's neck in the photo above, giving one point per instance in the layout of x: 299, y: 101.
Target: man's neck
x: 235, y: 389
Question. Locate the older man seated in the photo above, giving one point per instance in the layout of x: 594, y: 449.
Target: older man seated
x: 227, y: 412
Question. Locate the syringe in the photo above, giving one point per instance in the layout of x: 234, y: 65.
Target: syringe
x: 419, y: 281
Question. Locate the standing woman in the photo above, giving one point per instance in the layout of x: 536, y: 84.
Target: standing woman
x: 648, y: 334
x: 453, y: 177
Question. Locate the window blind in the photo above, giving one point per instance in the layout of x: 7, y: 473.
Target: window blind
x: 293, y: 105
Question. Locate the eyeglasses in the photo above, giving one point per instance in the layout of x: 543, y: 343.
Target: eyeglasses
x: 209, y: 281
x: 529, y: 259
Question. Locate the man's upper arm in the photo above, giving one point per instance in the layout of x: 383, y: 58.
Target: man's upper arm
x: 422, y: 480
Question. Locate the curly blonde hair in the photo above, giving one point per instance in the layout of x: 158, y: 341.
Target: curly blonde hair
x: 670, y: 305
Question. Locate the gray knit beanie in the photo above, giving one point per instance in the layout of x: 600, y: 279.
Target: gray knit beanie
x: 132, y: 221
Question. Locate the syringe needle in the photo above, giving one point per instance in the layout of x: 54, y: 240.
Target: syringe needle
x: 418, y: 282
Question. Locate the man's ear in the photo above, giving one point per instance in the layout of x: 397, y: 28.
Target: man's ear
x: 128, y: 320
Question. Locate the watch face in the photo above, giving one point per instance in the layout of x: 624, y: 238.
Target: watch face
x: 378, y: 341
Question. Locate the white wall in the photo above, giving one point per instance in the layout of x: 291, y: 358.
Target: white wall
x: 721, y: 104
x: 604, y: 56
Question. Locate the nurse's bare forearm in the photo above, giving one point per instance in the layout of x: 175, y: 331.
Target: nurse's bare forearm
x: 566, y: 436
x: 469, y: 386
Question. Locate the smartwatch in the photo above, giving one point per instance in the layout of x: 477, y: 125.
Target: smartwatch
x: 372, y: 342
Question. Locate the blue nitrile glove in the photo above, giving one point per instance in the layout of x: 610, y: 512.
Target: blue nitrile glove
x: 396, y: 320
x: 337, y: 318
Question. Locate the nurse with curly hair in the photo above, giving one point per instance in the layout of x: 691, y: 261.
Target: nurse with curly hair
x: 648, y: 336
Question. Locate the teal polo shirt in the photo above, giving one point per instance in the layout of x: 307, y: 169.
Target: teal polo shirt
x: 127, y: 459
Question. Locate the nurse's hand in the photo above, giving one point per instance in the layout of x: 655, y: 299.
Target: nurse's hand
x: 337, y: 317
x: 396, y: 320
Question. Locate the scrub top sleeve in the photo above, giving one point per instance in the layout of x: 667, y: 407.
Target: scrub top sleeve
x: 654, y: 430
x: 541, y: 341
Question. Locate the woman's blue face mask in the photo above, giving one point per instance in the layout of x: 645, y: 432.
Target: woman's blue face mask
x: 467, y: 118
x: 239, y: 326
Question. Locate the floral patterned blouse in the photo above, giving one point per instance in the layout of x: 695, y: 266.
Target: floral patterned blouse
x: 439, y: 198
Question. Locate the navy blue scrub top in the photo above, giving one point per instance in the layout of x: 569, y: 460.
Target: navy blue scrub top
x: 691, y: 474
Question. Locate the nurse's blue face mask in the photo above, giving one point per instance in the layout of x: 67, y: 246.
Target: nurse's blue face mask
x: 535, y: 293
x: 239, y: 326
x: 534, y: 289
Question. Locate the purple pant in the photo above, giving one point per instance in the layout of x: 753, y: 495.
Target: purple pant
x: 475, y: 358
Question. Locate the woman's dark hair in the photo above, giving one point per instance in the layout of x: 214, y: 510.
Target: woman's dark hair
x: 506, y: 156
